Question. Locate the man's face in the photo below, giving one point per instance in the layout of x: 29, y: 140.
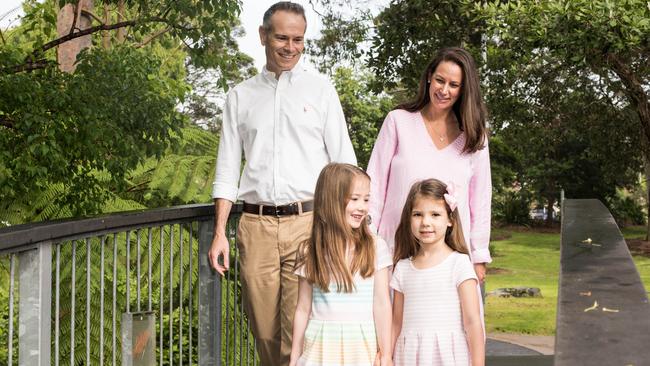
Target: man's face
x: 284, y: 42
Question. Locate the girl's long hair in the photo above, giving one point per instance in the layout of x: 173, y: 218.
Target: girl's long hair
x: 323, y: 255
x: 469, y: 109
x: 406, y: 245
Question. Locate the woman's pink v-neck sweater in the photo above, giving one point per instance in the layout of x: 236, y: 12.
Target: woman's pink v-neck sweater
x: 403, y: 154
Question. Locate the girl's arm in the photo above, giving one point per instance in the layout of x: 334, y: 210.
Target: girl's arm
x: 300, y: 319
x: 472, y: 322
x: 398, y: 315
x: 382, y: 313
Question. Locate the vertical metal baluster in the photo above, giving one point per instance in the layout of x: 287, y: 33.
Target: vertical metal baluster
x: 87, y: 301
x: 229, y: 285
x: 12, y: 269
x: 171, y: 293
x: 237, y: 316
x: 241, y: 327
x: 149, y: 264
x: 248, y: 341
x: 57, y: 304
x: 180, y: 296
x: 128, y: 271
x: 138, y: 270
x: 101, y: 302
x: 162, y: 287
x: 73, y: 293
x: 189, y: 286
x: 114, y: 292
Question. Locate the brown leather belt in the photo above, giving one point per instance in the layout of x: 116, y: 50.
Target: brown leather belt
x: 284, y: 210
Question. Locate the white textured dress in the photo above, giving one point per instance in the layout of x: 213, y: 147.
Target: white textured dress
x: 432, y: 327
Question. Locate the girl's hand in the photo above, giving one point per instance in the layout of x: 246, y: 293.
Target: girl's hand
x: 386, y: 361
x: 377, y: 359
x: 293, y: 361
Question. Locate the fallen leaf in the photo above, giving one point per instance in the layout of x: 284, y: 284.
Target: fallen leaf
x: 610, y: 310
x: 593, y: 307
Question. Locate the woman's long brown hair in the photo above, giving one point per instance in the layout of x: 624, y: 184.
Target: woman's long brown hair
x: 406, y: 245
x: 323, y: 255
x: 469, y: 109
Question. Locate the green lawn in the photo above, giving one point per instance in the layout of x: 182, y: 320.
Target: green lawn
x: 513, y: 265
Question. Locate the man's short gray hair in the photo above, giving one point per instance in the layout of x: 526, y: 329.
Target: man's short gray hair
x: 282, y: 6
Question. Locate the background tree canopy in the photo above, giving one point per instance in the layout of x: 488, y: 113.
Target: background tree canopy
x: 565, y: 81
x: 74, y: 144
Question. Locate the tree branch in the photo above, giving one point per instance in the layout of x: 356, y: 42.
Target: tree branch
x: 27, y: 66
x: 153, y: 36
x: 105, y: 27
x: 90, y: 14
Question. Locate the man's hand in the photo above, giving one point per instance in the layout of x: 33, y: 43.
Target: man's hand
x: 220, y: 247
x: 481, y: 271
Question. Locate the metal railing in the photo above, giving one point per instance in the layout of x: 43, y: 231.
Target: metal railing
x: 65, y: 285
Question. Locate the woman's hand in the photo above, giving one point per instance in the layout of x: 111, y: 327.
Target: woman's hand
x: 481, y: 271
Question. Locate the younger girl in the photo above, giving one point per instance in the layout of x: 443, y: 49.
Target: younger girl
x: 436, y: 316
x: 344, y: 308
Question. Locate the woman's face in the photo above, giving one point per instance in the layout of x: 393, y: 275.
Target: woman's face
x: 445, y: 85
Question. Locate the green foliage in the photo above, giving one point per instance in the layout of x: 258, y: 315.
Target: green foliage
x: 408, y: 33
x: 364, y: 110
x: 512, y: 207
x: 184, y: 174
x: 596, y: 54
x: 626, y: 211
x: 111, y: 112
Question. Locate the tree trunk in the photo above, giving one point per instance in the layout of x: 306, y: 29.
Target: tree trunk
x: 106, y: 35
x: 550, y: 202
x: 68, y: 23
x: 646, y: 164
x: 121, y: 33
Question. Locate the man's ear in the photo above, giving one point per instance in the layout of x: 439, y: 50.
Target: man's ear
x: 262, y: 32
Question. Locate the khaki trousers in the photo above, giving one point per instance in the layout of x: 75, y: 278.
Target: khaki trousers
x: 267, y: 249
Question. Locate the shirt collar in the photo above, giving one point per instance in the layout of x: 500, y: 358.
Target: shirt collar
x: 292, y: 74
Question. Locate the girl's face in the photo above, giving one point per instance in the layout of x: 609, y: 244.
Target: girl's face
x: 429, y: 220
x: 445, y: 85
x: 357, y: 207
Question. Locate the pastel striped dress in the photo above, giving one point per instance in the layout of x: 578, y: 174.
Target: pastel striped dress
x: 341, y: 328
x: 432, y: 327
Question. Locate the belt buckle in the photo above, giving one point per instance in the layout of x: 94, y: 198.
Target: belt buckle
x: 276, y: 210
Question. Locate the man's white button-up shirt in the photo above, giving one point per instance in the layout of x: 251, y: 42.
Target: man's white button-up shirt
x: 288, y: 129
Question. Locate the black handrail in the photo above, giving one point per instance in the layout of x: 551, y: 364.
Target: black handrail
x: 13, y: 237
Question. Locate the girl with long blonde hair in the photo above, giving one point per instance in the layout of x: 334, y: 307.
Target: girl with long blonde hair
x: 343, y: 312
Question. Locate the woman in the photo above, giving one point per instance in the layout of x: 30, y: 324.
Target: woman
x: 440, y: 134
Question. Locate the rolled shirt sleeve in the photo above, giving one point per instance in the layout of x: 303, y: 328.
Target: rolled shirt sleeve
x: 230, y: 153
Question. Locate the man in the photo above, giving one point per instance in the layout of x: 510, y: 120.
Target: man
x: 289, y: 124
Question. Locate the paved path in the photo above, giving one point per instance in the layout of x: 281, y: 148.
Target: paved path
x: 504, y: 344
